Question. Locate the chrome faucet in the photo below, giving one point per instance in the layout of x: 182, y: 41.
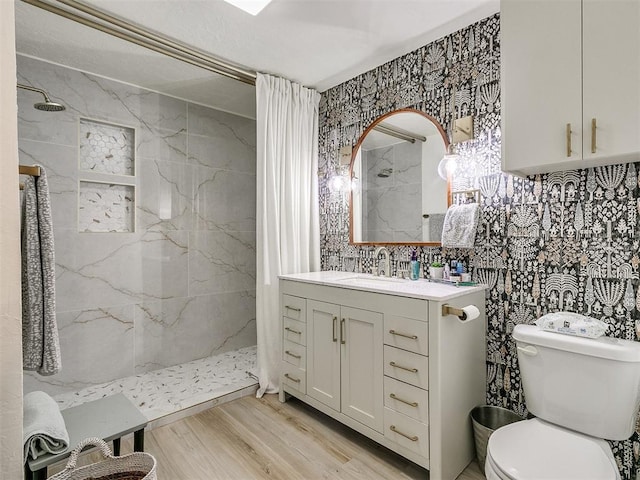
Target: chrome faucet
x: 385, y: 254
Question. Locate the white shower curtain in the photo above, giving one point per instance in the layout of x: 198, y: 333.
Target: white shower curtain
x: 288, y: 232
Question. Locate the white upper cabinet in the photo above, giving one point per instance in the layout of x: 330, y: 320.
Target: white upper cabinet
x: 570, y: 84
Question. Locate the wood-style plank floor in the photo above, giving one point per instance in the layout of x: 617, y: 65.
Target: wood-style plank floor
x: 252, y: 438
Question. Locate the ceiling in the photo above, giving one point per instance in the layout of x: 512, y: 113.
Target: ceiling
x: 318, y: 43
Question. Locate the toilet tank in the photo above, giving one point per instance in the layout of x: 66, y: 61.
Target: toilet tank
x: 588, y: 385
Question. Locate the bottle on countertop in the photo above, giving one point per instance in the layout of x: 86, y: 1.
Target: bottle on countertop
x: 460, y: 268
x: 447, y: 272
x: 414, y: 266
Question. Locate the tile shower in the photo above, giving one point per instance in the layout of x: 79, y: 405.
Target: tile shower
x: 153, y: 203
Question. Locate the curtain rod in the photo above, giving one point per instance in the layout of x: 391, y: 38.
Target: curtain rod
x: 399, y: 133
x: 132, y: 33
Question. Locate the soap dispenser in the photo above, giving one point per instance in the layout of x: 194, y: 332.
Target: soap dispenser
x: 414, y: 266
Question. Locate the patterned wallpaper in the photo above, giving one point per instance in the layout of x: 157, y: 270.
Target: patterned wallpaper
x: 557, y: 241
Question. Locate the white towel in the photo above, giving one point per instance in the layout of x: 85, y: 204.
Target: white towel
x: 460, y: 225
x: 43, y: 426
x: 40, y: 342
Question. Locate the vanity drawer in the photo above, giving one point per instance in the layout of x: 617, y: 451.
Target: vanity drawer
x: 294, y: 378
x: 407, y: 399
x: 406, y: 366
x: 294, y: 308
x: 294, y: 331
x: 407, y: 432
x: 406, y: 333
x: 294, y: 354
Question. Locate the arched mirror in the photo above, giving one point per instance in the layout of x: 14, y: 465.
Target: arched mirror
x: 398, y: 196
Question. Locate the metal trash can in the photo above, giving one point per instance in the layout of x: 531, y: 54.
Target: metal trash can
x: 487, y: 419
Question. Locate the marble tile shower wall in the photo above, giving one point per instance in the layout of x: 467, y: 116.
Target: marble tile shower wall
x: 558, y: 241
x: 182, y: 286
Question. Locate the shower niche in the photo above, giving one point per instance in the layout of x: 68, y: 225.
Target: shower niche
x: 106, y: 190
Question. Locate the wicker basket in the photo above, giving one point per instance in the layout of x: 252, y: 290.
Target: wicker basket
x: 134, y: 466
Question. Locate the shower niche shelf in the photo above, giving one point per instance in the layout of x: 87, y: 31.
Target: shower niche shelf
x: 107, y: 148
x: 106, y: 191
x: 106, y: 207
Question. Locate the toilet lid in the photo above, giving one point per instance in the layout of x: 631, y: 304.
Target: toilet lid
x: 537, y: 450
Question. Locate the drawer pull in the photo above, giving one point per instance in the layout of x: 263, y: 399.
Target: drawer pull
x: 294, y: 355
x: 292, y: 331
x: 412, y: 337
x: 408, y: 369
x: 413, y: 438
x: 411, y: 404
x: 292, y: 308
x: 568, y: 130
x: 593, y: 135
x: 293, y: 379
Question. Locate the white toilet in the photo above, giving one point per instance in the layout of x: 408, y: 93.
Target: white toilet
x: 582, y: 391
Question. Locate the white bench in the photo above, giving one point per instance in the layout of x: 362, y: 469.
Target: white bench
x: 109, y: 418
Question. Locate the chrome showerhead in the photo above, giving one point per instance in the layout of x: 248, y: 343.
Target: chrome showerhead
x: 47, y: 105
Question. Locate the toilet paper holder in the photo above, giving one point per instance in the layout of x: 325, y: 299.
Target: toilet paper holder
x: 458, y: 312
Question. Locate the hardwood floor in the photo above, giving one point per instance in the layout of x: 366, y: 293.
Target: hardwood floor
x: 252, y: 438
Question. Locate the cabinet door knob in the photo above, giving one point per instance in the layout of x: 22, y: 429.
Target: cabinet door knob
x: 593, y: 135
x: 568, y: 139
x: 405, y: 335
x: 412, y: 404
x: 413, y: 438
x: 408, y: 369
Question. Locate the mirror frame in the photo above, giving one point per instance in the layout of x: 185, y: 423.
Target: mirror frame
x: 354, y: 152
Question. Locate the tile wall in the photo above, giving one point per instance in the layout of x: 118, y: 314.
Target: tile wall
x: 181, y: 284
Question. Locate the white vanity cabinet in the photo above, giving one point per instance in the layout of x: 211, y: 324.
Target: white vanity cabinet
x: 570, y: 84
x: 387, y: 362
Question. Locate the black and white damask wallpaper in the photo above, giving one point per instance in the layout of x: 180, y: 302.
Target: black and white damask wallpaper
x: 558, y: 241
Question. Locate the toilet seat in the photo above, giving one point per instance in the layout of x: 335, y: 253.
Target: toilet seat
x: 537, y: 450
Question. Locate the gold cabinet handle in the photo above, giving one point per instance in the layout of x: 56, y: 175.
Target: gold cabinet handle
x: 413, y: 438
x: 411, y: 404
x: 293, y: 379
x: 412, y: 337
x: 335, y: 327
x: 292, y: 331
x: 593, y: 135
x: 294, y: 355
x: 395, y: 365
x: 342, y: 333
x: 292, y: 308
x: 568, y: 139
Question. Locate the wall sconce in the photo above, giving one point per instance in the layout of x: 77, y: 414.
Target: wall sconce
x: 449, y: 163
x: 461, y: 131
x: 338, y: 180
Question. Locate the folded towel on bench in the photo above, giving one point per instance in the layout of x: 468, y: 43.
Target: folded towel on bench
x: 44, y: 430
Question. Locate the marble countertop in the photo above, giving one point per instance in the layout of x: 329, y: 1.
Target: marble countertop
x: 421, y: 289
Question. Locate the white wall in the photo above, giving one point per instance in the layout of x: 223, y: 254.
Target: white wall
x: 10, y: 316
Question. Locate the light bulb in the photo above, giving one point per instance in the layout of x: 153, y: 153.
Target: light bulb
x: 448, y: 165
x: 338, y: 183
